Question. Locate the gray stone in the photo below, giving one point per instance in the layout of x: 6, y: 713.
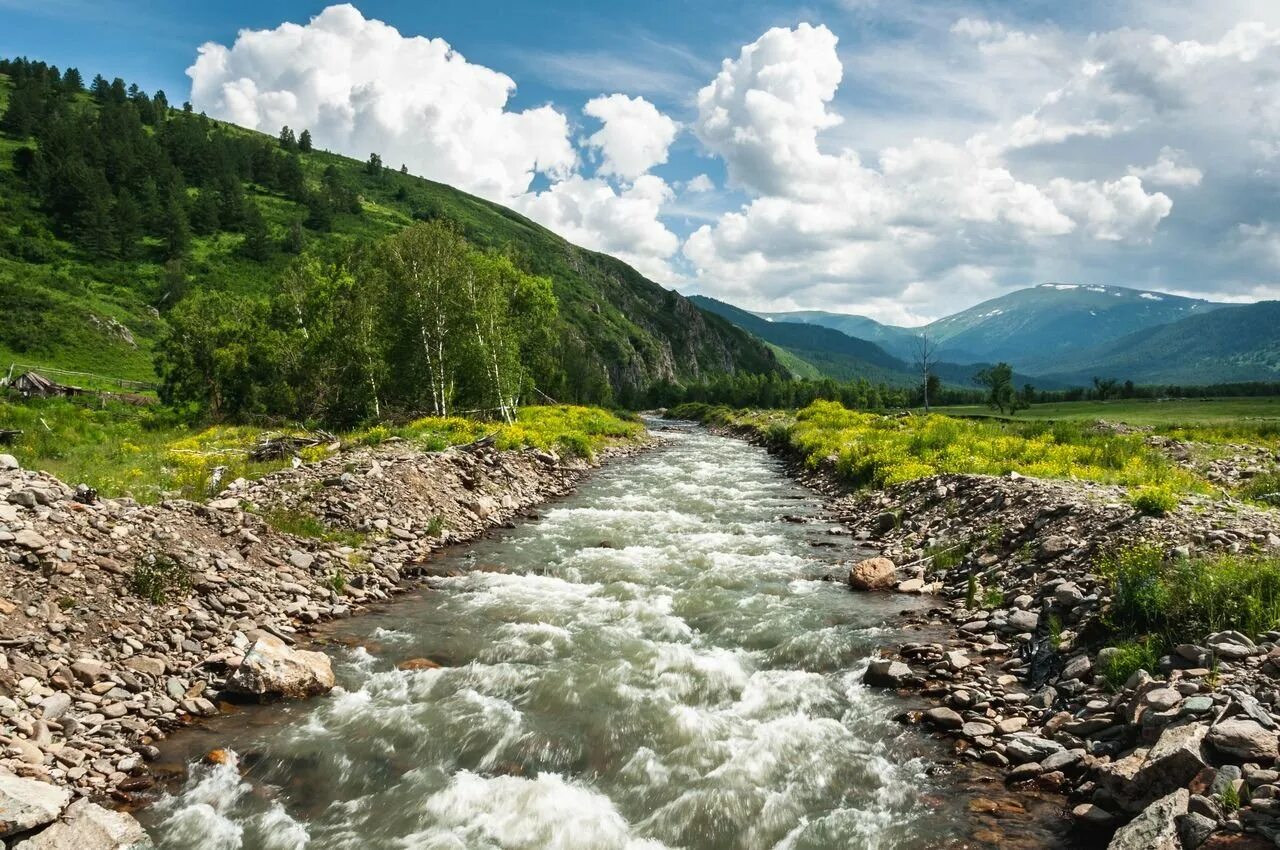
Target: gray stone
x: 1231, y: 645
x: 1079, y: 667
x: 26, y: 804
x: 1156, y: 828
x: 302, y: 560
x: 9, y: 462
x: 1054, y: 546
x: 1023, y: 621
x: 228, y: 504
x: 887, y: 673
x: 1025, y: 748
x: 977, y: 729
x: 53, y: 707
x: 944, y: 717
x: 1161, y: 699
x: 1245, y: 739
x: 29, y: 539
x: 1194, y: 829
x: 88, y: 826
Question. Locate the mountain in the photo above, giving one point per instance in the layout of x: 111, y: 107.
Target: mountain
x: 1035, y: 329
x: 1228, y: 344
x: 900, y: 342
x: 89, y: 267
x: 812, y: 349
x: 830, y: 352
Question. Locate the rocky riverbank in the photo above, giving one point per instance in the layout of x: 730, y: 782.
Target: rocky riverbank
x: 120, y: 622
x: 1186, y: 757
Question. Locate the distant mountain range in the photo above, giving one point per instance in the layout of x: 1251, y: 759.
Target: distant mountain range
x: 1054, y: 334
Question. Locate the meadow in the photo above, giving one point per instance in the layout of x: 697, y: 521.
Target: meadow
x: 149, y: 453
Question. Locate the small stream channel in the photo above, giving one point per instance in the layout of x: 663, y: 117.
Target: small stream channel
x: 654, y: 663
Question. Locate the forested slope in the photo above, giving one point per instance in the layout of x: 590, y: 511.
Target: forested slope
x: 115, y: 207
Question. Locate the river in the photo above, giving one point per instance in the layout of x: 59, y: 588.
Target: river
x: 654, y: 662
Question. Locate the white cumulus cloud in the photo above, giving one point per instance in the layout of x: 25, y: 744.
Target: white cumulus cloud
x: 1171, y: 168
x: 362, y: 87
x: 635, y: 136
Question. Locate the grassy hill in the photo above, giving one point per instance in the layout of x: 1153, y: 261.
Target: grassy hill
x: 64, y: 306
x: 900, y: 342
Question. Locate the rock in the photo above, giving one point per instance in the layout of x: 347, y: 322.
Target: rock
x: 418, y: 664
x: 977, y: 729
x: 302, y: 560
x: 26, y: 804
x: 873, y: 574
x: 30, y: 540
x: 1171, y: 763
x: 944, y: 717
x: 22, y: 498
x: 886, y: 673
x: 957, y: 660
x: 1093, y: 817
x: 1054, y: 546
x: 1023, y: 621
x: 1245, y: 739
x: 228, y: 504
x: 88, y: 671
x: 9, y: 462
x: 1161, y: 699
x: 1231, y: 645
x: 88, y: 826
x: 148, y: 664
x: 1024, y: 748
x: 1193, y: 829
x: 1078, y: 667
x: 1156, y: 828
x: 1067, y: 594
x: 271, y: 668
x: 911, y: 585
x: 885, y: 522
x: 53, y: 707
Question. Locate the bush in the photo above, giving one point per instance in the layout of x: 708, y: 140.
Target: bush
x: 156, y: 577
x: 1153, y: 500
x: 1263, y: 488
x: 574, y: 445
x: 1126, y: 659
x: 1183, y: 600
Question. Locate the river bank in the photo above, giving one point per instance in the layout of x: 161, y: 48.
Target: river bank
x: 1026, y: 678
x: 120, y: 622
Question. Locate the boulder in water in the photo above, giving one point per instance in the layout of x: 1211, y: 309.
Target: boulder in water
x: 873, y: 574
x: 272, y: 669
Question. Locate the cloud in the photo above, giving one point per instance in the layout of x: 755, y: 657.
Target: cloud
x: 360, y: 86
x: 1170, y: 169
x: 635, y: 136
x: 921, y: 217
x: 625, y: 223
x: 700, y: 183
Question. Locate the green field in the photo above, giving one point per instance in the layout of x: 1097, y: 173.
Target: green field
x: 1164, y: 414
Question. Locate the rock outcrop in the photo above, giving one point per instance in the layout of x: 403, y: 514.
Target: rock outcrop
x: 271, y: 669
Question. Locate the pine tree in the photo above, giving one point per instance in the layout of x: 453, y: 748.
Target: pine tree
x: 257, y: 239
x: 204, y: 213
x: 287, y: 140
x: 304, y: 141
x: 128, y: 225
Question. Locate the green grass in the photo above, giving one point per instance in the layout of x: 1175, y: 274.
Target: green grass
x: 1153, y: 500
x: 1245, y: 416
x: 1127, y: 658
x: 302, y: 524
x: 1182, y: 600
x: 878, y: 451
x: 150, y: 454
x: 159, y: 577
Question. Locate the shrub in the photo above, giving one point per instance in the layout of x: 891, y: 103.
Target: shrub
x: 436, y: 527
x: 337, y: 581
x: 1153, y: 500
x: 156, y: 577
x: 944, y: 556
x: 993, y: 598
x: 574, y: 445
x: 1128, y: 658
x: 1263, y: 488
x: 1185, y: 599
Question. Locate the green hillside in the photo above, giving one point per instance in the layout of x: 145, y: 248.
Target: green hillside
x: 93, y: 258
x: 1229, y: 344
x: 900, y: 342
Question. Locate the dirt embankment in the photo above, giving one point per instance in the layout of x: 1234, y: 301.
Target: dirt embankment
x: 120, y: 621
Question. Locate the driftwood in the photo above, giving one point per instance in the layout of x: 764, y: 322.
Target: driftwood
x: 277, y: 446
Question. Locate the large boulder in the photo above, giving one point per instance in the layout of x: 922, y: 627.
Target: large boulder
x: 1244, y: 738
x: 88, y: 826
x: 873, y: 574
x: 1145, y: 775
x: 1156, y: 828
x: 272, y: 669
x: 26, y: 804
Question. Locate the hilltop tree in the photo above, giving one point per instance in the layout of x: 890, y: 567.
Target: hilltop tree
x: 287, y: 139
x: 304, y: 141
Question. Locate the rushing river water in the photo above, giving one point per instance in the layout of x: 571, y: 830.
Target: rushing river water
x: 653, y: 663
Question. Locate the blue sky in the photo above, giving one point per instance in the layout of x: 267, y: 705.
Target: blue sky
x: 902, y: 160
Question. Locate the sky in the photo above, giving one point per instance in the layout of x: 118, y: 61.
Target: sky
x: 901, y: 160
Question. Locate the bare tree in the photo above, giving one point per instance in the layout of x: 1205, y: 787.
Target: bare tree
x: 926, y: 357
